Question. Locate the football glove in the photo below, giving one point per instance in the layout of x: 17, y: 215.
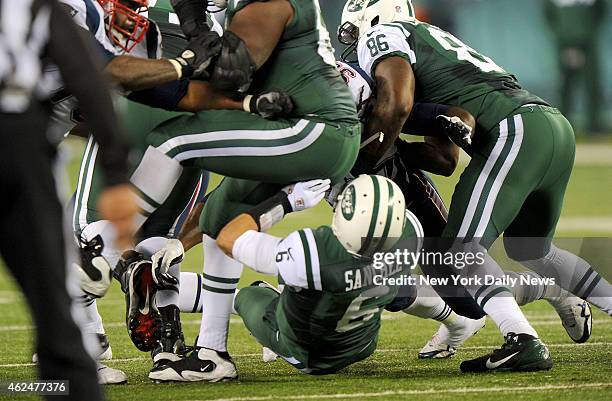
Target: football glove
x: 304, y: 195
x: 171, y: 254
x: 269, y: 105
x: 197, y: 56
x: 94, y: 271
x: 234, y: 68
x: 456, y: 130
x: 192, y: 16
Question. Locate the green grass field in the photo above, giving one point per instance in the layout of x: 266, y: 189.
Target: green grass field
x: 581, y: 372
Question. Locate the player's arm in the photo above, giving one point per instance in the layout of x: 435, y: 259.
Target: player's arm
x: 135, y: 73
x: 438, y: 154
x: 395, y: 86
x: 250, y: 39
x: 262, y: 217
x: 260, y: 25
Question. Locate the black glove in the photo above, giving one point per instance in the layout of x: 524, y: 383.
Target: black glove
x: 197, y: 56
x: 234, y: 68
x: 269, y: 105
x: 456, y: 130
x: 192, y: 16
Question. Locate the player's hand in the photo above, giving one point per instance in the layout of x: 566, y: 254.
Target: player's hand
x: 197, y: 56
x: 305, y: 195
x: 171, y: 254
x: 456, y: 130
x: 117, y: 204
x: 270, y: 104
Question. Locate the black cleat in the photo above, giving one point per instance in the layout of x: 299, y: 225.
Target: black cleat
x: 142, y: 316
x: 171, y: 344
x: 520, y: 353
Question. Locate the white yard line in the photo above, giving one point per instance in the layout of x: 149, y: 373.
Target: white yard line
x: 599, y: 224
x: 464, y: 390
x: 381, y: 350
x: 541, y: 321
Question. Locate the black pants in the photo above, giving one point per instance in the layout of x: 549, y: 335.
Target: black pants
x: 32, y: 245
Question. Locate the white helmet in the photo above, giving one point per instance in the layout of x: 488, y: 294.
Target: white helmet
x: 359, y: 16
x: 369, y: 216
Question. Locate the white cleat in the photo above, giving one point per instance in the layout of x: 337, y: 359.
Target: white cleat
x: 108, y: 375
x: 444, y: 343
x: 268, y: 355
x: 202, y: 364
x: 576, y: 316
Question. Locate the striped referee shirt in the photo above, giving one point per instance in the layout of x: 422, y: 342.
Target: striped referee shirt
x: 24, y: 34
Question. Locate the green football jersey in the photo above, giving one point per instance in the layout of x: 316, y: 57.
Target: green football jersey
x: 446, y: 70
x: 331, y: 306
x: 303, y: 65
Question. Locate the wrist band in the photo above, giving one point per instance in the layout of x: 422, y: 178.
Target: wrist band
x: 246, y: 103
x: 177, y: 66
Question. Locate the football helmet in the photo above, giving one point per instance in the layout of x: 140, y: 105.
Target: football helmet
x: 359, y: 16
x: 369, y: 216
x: 126, y: 23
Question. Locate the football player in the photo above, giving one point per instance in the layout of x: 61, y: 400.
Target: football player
x: 131, y: 45
x: 328, y: 315
x: 290, y: 51
x: 520, y: 166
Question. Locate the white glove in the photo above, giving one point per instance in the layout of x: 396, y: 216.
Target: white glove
x: 93, y: 270
x: 304, y: 195
x: 171, y: 254
x: 96, y: 278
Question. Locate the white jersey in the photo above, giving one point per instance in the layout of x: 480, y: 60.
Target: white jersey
x: 360, y: 85
x: 88, y: 15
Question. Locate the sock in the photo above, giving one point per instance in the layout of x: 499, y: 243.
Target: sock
x: 533, y: 289
x: 92, y: 322
x: 576, y: 275
x: 154, y: 179
x: 170, y: 295
x: 496, y: 300
x: 429, y: 305
x: 220, y: 279
x: 190, y: 292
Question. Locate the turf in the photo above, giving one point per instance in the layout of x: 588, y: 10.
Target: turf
x: 581, y: 372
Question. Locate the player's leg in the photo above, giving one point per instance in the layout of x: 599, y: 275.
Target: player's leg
x: 528, y: 239
x: 453, y: 331
x: 246, y: 146
x: 487, y: 198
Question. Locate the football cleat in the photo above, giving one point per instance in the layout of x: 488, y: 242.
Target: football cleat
x: 203, y: 364
x: 268, y: 355
x: 171, y: 345
x: 520, y: 353
x: 107, y: 375
x: 94, y: 271
x: 142, y: 316
x: 576, y: 316
x: 445, y: 342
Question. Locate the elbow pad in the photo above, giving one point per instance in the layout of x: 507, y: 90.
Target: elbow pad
x: 234, y: 67
x: 258, y: 251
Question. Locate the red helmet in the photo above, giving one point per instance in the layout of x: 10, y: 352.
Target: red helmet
x: 126, y: 24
